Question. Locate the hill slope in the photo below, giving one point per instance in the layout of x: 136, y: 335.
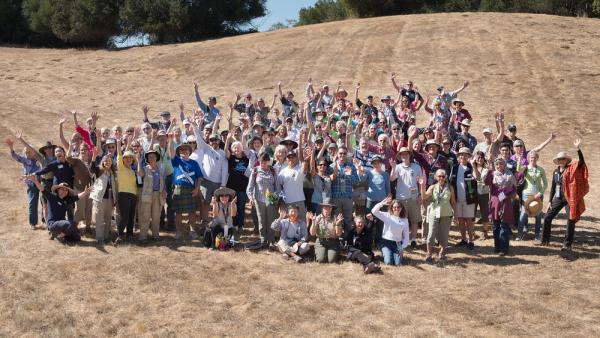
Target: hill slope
x: 543, y: 70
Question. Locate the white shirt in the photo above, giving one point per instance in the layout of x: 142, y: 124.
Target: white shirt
x: 213, y: 163
x: 394, y: 228
x: 407, y: 185
x: 291, y: 182
x: 461, y: 192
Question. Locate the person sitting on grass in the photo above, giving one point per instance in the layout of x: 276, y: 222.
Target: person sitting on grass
x: 395, y: 236
x: 224, y: 210
x: 60, y: 199
x: 293, y: 241
x: 359, y: 240
x: 328, y: 230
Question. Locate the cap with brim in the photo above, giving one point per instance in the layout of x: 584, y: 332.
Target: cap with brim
x: 319, y: 140
x: 222, y: 191
x: 560, y: 156
x: 332, y: 145
x: 129, y: 153
x: 440, y: 88
x: 317, y: 111
x: 186, y: 121
x: 327, y: 203
x: 110, y: 141
x: 345, y: 114
x: 62, y: 185
x: 288, y: 142
x: 511, y: 126
x: 208, y: 126
x: 455, y: 101
x: 533, y: 207
x: 431, y: 142
x: 386, y: 98
x: 191, y: 138
x: 466, y: 122
x: 214, y: 137
x: 48, y: 145
x: 518, y: 143
x: 182, y: 146
x: 244, y: 116
x: 376, y: 158
x: 161, y: 133
x: 465, y: 151
x: 291, y: 154
x: 487, y: 131
x: 152, y: 152
x: 165, y: 113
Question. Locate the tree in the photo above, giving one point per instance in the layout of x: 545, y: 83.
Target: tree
x: 323, y: 11
x: 13, y: 27
x: 596, y: 8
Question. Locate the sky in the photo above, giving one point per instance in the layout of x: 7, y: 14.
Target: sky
x: 279, y: 11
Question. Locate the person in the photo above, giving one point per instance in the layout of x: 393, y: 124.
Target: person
x: 29, y: 160
x: 503, y: 190
x: 127, y: 196
x: 186, y: 186
x: 104, y: 197
x: 164, y: 163
x: 293, y: 242
x: 359, y: 240
x: 81, y: 165
x: 463, y: 180
x: 321, y: 180
x: 534, y: 186
x: 409, y: 191
x: 60, y: 198
x: 395, y: 237
x: 210, y: 110
x: 163, y: 124
x: 263, y: 195
x: 569, y: 186
x: 341, y: 186
x: 439, y: 212
x: 224, y: 210
x: 153, y: 194
x: 290, y: 181
x: 328, y: 230
x: 378, y: 181
x: 482, y: 200
x: 238, y: 167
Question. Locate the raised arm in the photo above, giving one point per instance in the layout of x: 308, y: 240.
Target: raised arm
x: 545, y: 143
x: 38, y: 156
x: 273, y: 102
x: 356, y: 89
x: 181, y: 112
x: 199, y: 101
x: 465, y: 85
x: 393, y: 78
x: 63, y: 140
x: 426, y: 105
x: 171, y: 145
x: 228, y: 143
x: 279, y: 89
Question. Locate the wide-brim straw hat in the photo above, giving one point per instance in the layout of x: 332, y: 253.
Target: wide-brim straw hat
x: 152, y: 152
x: 465, y: 150
x: 533, y: 207
x: 288, y: 141
x: 224, y: 191
x: 62, y: 185
x: 561, y: 155
x: 327, y: 203
x: 48, y: 145
x: 181, y: 146
x: 402, y: 150
x: 432, y: 142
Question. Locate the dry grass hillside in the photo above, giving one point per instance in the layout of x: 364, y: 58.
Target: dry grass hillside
x: 543, y: 70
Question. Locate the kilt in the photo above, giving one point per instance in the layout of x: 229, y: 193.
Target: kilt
x: 183, y: 202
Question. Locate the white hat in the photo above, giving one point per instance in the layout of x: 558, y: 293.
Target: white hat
x: 487, y: 131
x: 190, y: 138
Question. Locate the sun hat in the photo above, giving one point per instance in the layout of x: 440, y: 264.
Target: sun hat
x: 533, y: 207
x: 376, y: 158
x: 289, y: 141
x: 46, y: 146
x: 401, y: 151
x: 191, y: 138
x: 317, y: 111
x: 165, y: 113
x: 561, y: 155
x: 224, y: 191
x: 332, y: 145
x: 466, y: 122
x: 465, y: 150
x: 62, y: 185
x: 181, y: 146
x: 431, y: 142
x: 455, y: 101
x: 487, y: 131
x: 327, y: 203
x: 152, y: 152
x: 214, y: 136
x: 208, y: 126
x: 518, y: 143
x: 386, y: 98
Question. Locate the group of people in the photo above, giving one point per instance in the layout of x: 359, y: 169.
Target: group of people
x: 345, y: 173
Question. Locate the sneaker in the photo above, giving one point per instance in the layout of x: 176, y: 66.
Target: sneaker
x: 298, y: 259
x: 413, y: 244
x: 565, y: 247
x: 471, y: 246
x: 32, y: 227
x: 370, y: 268
x: 461, y: 244
x: 520, y: 237
x: 501, y: 253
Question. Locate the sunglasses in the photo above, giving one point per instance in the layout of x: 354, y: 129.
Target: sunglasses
x: 192, y: 142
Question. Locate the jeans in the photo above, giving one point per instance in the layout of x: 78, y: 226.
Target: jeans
x: 377, y: 223
x: 127, y: 206
x: 316, y: 208
x: 238, y: 220
x: 556, y: 205
x: 524, y: 220
x: 501, y: 236
x: 170, y: 211
x: 64, y: 227
x: 33, y: 195
x: 344, y: 206
x: 390, y: 251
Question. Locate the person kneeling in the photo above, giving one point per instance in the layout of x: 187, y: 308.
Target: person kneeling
x: 328, y: 231
x: 59, y: 201
x: 294, y: 234
x: 224, y: 210
x: 359, y: 240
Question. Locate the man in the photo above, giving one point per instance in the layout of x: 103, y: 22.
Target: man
x: 484, y: 146
x: 369, y: 107
x: 60, y: 200
x: 408, y: 91
x: 445, y: 98
x: 165, y: 164
x: 342, y: 186
x: 465, y: 135
x: 569, y: 186
x: 409, y: 190
x: 464, y: 182
x: 210, y: 111
x: 163, y: 124
x: 512, y: 135
x: 290, y: 181
x: 293, y: 242
x: 30, y: 165
x: 460, y: 114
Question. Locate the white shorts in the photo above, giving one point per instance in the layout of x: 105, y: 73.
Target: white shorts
x: 464, y: 210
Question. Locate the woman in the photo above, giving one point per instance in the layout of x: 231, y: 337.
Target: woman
x: 153, y: 194
x: 395, y: 236
x: 321, y: 180
x: 262, y: 194
x: 359, y: 240
x: 439, y: 213
x: 378, y: 181
x: 104, y: 197
x: 224, y: 210
x: 280, y: 158
x: 127, y: 196
x: 534, y: 186
x: 503, y: 189
x: 328, y: 231
x: 238, y: 164
x: 483, y: 191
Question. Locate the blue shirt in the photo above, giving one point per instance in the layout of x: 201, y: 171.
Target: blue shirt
x: 185, y: 172
x: 379, y: 185
x: 155, y: 180
x: 209, y: 113
x: 57, y: 207
x: 29, y: 166
x: 341, y: 187
x: 62, y: 172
